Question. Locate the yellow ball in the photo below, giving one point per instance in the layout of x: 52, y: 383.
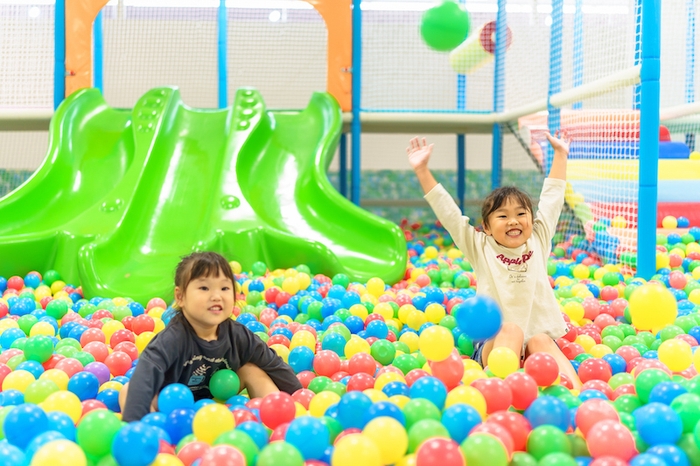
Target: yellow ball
x: 163, y: 459
x: 321, y: 402
x: 57, y: 376
x: 581, y: 271
x: 65, y: 402
x: 574, y: 310
x: 356, y: 345
x: 359, y: 310
x: 118, y: 301
x: 156, y: 312
x: 17, y: 380
x: 676, y: 354
x: 586, y: 342
x: 469, y: 396
x: 436, y: 343
x: 211, y: 421
x: 416, y: 319
x: 598, y: 351
x: 390, y: 437
x: 291, y: 285
x: 454, y: 253
x: 300, y: 410
x: 303, y: 338
x: 652, y: 306
x: 375, y: 395
x: 411, y: 340
x: 375, y: 286
x: 662, y: 260
x: 696, y: 274
x: 383, y: 309
x: 110, y: 327
x: 694, y: 296
x: 430, y: 252
x: 111, y: 385
x: 503, y: 361
x: 695, y: 155
x: 282, y: 351
x: 357, y: 449
x: 9, y: 323
x: 471, y: 375
x: 404, y: 311
x: 434, y: 312
x: 143, y: 339
x: 304, y: 280
x: 57, y: 286
x: 386, y: 378
x: 669, y: 222
x: 60, y: 453
x: 399, y: 400
x: 42, y: 328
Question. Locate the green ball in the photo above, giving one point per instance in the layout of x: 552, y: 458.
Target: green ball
x: 303, y: 268
x: 546, y: 439
x: 406, y: 363
x: 84, y: 357
x: 224, y: 384
x: 39, y: 390
x: 444, y: 27
x: 318, y: 384
x: 253, y: 298
x: 334, y: 426
x: 314, y: 310
x: 121, y: 312
x: 259, y: 268
x: 86, y: 310
x: 67, y: 351
x: 69, y: 342
x: 240, y: 440
x: 336, y: 387
x: 558, y: 459
x: 383, y: 352
x: 448, y: 321
x: 647, y: 380
x: 15, y: 361
x: 57, y: 309
x: 465, y: 345
x: 423, y: 430
x: 341, y: 279
x: 38, y: 348
x: 419, y: 409
x: 520, y: 458
x: 96, y: 431
x: 687, y: 406
x: 280, y: 454
x: 627, y: 403
x: 484, y: 450
x: 26, y: 323
x: 50, y: 277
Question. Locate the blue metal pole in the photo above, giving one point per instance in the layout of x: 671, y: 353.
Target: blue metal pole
x: 222, y: 54
x: 461, y: 140
x: 343, y: 162
x: 59, y: 70
x: 555, y: 64
x: 690, y: 64
x: 578, y: 50
x: 356, y: 98
x: 499, y: 81
x: 98, y: 53
x: 637, y: 97
x: 649, y: 138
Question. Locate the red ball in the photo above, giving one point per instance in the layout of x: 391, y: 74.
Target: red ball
x: 243, y: 415
x: 326, y: 363
x: 415, y: 374
x: 92, y: 405
x: 593, y: 411
x: 127, y: 321
x: 516, y: 424
x: 51, y: 362
x: 279, y: 433
x: 498, y: 431
x: 277, y: 408
x: 15, y: 283
x: 282, y: 298
x: 305, y: 378
x: 496, y: 392
x: 94, y: 324
x: 360, y: 382
x: 271, y: 294
x: 572, y: 350
x: 348, y: 431
x: 101, y: 314
x: 156, y: 302
x: 143, y: 323
x: 192, y: 451
x: 628, y: 353
x: 442, y: 451
x: 598, y: 385
x: 4, y: 370
x: 223, y: 455
x: 128, y: 348
x: 610, y: 438
x: 303, y: 396
x: 278, y: 339
x: 542, y: 368
x: 362, y: 362
x: 524, y: 389
x: 98, y: 350
x: 8, y: 354
x: 121, y: 336
x: 118, y: 363
x: 651, y: 364
x: 626, y: 389
x: 594, y: 369
x: 373, y: 317
x: 90, y: 335
x: 70, y: 366
x: 449, y: 371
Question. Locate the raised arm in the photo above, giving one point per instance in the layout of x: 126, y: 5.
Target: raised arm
x: 419, y: 151
x: 561, y: 154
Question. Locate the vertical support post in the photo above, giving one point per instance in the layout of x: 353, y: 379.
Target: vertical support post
x: 637, y: 97
x: 356, y: 127
x: 343, y: 162
x: 461, y: 140
x: 98, y: 53
x: 59, y: 69
x: 690, y: 64
x: 499, y: 74
x: 555, y: 65
x: 222, y: 54
x: 578, y: 50
x: 649, y: 137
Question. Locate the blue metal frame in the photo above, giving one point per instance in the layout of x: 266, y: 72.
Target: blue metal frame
x: 690, y: 64
x: 637, y: 97
x: 343, y: 165
x: 59, y: 70
x: 222, y: 54
x: 499, y: 73
x: 578, y: 50
x: 555, y: 65
x: 356, y: 127
x: 649, y: 137
x: 98, y: 53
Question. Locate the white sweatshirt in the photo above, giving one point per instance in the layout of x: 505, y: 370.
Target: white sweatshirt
x: 515, y: 278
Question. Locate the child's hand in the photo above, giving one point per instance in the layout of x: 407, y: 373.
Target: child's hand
x: 559, y: 144
x: 418, y: 153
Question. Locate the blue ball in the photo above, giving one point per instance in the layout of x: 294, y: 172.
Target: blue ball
x: 12, y: 398
x: 658, y: 424
x: 179, y: 424
x: 377, y: 329
x: 175, y: 396
x: 9, y: 336
x: 396, y: 388
x: 459, y: 420
x: 136, y: 444
x: 548, y: 410
x: 301, y: 358
x: 431, y: 389
x: 354, y: 324
x: 41, y: 440
x: 85, y: 385
x: 310, y: 436
x: 33, y: 367
x: 670, y: 454
x: 23, y: 423
x: 617, y: 363
x: 479, y: 317
x: 646, y: 459
x: 61, y: 422
x: 384, y: 408
x: 351, y: 409
x: 666, y: 392
x: 10, y: 455
x: 331, y: 341
x: 110, y: 398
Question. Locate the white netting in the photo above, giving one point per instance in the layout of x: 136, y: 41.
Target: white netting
x: 147, y: 46
x: 26, y: 81
x: 280, y: 50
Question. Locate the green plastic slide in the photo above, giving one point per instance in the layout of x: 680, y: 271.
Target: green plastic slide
x: 122, y: 195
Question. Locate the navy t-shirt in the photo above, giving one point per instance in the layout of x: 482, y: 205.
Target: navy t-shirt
x: 178, y: 355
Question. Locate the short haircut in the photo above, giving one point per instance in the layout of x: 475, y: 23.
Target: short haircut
x: 201, y: 264
x: 499, y: 197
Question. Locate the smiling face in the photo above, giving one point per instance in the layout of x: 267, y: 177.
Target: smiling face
x: 206, y: 302
x: 510, y: 224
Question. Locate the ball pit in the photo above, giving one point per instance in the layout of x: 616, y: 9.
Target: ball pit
x: 386, y: 371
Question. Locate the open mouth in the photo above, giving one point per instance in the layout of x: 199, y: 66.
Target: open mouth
x: 514, y: 232
x: 216, y: 309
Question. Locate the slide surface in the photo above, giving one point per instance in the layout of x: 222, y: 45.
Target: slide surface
x: 123, y: 195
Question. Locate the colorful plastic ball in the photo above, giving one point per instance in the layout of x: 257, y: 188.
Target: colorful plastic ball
x: 394, y: 440
x: 224, y: 384
x: 484, y: 450
x: 23, y: 423
x: 676, y: 354
x: 524, y: 389
x: 479, y: 317
x: 192, y: 451
x: 444, y: 27
x: 136, y: 444
x: 445, y: 452
x: 175, y: 396
x: 222, y: 455
x: 211, y: 421
x: 279, y: 453
x: 652, y: 307
x: 593, y: 411
x: 658, y: 424
x: 308, y: 435
x: 96, y: 431
x: 436, y: 343
x: 351, y: 409
x: 59, y: 453
x: 431, y: 389
x: 356, y: 449
x: 276, y: 409
x: 503, y: 361
x: 548, y: 410
x: 669, y: 222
